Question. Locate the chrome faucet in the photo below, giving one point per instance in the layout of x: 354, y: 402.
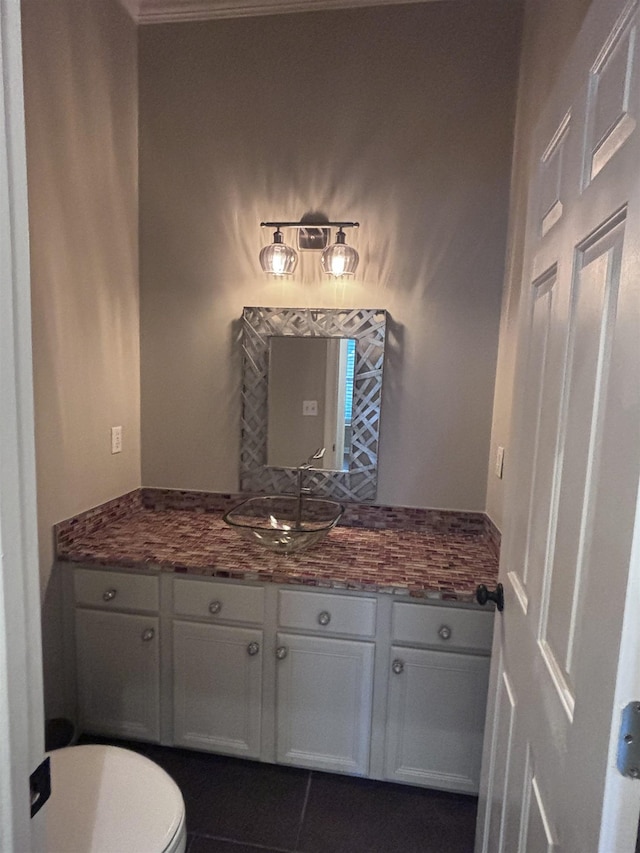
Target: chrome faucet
x: 319, y: 453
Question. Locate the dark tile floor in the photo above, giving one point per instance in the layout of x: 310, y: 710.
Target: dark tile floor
x: 236, y: 806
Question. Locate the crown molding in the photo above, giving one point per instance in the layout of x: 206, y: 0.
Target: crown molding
x: 172, y: 11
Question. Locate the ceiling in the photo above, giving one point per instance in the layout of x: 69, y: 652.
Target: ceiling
x: 165, y: 11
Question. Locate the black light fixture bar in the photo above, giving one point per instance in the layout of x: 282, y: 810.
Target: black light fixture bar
x: 309, y: 224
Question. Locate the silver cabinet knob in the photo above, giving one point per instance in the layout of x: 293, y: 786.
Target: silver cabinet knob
x: 215, y: 607
x: 253, y: 648
x: 324, y: 617
x: 148, y: 634
x: 444, y: 632
x: 109, y: 594
x: 282, y: 652
x: 397, y: 666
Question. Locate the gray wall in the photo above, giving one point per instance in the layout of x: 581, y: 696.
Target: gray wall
x: 80, y: 81
x: 400, y: 118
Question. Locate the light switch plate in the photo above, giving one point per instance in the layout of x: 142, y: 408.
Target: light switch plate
x: 499, y: 462
x: 116, y: 439
x: 309, y: 407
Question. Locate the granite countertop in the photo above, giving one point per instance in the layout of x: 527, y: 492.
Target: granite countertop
x: 141, y: 533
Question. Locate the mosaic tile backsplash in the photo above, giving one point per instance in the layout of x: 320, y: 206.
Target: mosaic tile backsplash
x: 420, y: 552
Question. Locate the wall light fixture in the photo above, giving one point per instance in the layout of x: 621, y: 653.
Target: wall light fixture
x: 277, y: 258
x: 337, y: 260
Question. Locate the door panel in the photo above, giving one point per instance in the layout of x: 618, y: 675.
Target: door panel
x: 592, y: 321
x: 533, y: 411
x: 506, y: 718
x: 504, y: 776
x: 552, y: 178
x: 539, y: 833
x: 612, y: 95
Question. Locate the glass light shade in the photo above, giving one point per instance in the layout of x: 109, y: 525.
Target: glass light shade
x: 339, y: 259
x: 277, y: 258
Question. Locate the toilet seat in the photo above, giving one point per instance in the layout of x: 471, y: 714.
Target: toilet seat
x: 105, y: 799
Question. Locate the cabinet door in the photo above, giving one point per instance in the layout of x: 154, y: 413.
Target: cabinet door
x: 217, y: 688
x: 118, y: 674
x: 435, y: 718
x: 323, y: 695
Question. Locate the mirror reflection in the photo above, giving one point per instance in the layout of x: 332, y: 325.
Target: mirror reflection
x: 310, y: 401
x: 349, y: 412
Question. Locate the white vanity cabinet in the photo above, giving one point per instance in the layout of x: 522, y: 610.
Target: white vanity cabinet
x: 438, y: 678
x: 217, y: 666
x: 324, y: 680
x: 117, y: 653
x: 351, y: 682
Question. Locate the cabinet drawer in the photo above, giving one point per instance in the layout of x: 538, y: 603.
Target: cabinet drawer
x: 327, y: 613
x: 220, y: 601
x: 442, y: 627
x: 116, y: 590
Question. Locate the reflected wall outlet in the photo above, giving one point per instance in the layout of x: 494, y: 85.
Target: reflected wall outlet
x: 309, y: 407
x: 499, y: 462
x: 116, y: 439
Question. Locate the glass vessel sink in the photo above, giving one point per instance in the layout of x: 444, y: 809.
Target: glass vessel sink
x: 284, y: 523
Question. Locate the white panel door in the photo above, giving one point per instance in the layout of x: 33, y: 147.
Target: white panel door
x: 570, y: 561
x: 324, y: 695
x: 217, y: 688
x: 118, y: 674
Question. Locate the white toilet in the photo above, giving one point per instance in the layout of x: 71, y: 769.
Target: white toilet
x: 105, y: 799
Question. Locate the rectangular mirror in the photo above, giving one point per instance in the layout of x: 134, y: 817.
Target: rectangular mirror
x: 327, y: 363
x: 310, y: 398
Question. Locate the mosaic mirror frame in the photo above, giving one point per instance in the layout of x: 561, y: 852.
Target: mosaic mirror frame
x: 368, y: 327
